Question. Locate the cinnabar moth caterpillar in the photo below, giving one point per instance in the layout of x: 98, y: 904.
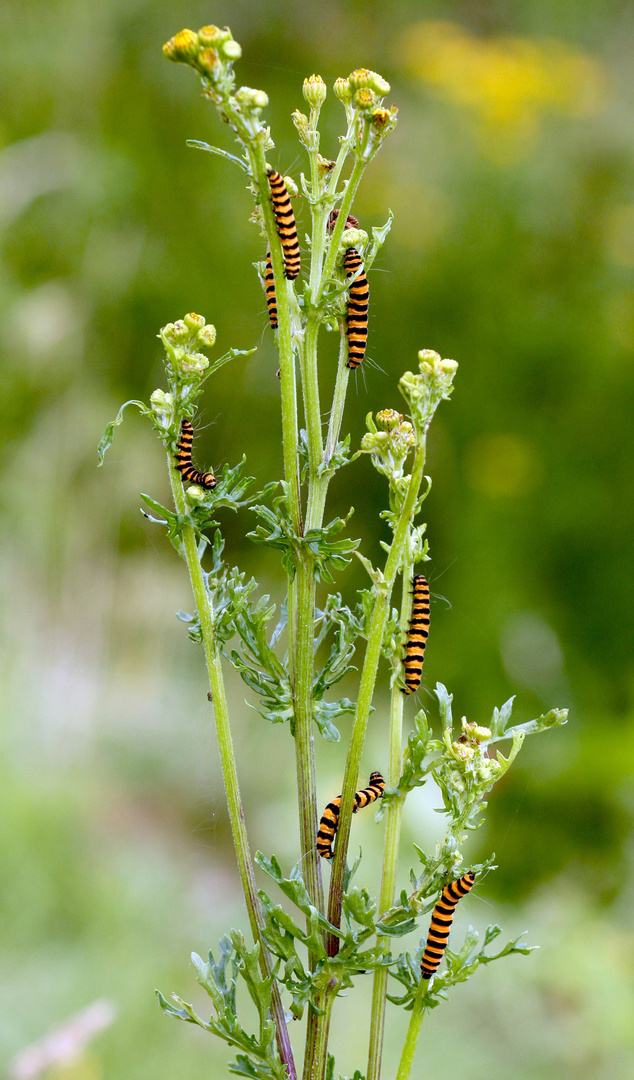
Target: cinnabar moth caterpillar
x: 330, y: 819
x: 269, y: 287
x: 441, y: 920
x: 189, y: 474
x: 357, y: 313
x: 285, y: 222
x: 417, y: 638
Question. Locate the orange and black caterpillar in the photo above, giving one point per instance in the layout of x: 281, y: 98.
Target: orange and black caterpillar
x: 269, y: 288
x: 441, y: 920
x: 417, y: 638
x: 330, y: 819
x: 189, y: 474
x: 357, y: 313
x: 285, y: 221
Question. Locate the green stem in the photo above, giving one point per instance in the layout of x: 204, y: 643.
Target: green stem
x: 319, y: 487
x: 228, y: 763
x: 376, y: 628
x: 392, y: 841
x: 411, y: 1039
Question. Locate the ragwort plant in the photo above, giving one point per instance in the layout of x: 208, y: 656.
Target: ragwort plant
x: 304, y: 953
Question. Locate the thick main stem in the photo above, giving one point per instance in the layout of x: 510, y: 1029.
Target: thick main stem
x: 228, y: 764
x: 366, y: 687
x: 392, y: 841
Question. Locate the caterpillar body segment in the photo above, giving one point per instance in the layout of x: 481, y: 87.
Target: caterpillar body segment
x: 418, y: 634
x: 357, y: 312
x: 441, y: 920
x: 269, y: 288
x: 330, y: 819
x: 285, y: 222
x: 183, y: 460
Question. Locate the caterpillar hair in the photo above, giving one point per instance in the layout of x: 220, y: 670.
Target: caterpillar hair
x: 357, y: 313
x: 330, y: 819
x: 441, y: 920
x: 285, y: 222
x: 189, y: 474
x: 417, y: 637
x: 269, y: 288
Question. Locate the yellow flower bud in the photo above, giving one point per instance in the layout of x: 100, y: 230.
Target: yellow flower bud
x: 182, y: 47
x: 364, y: 99
x: 388, y: 418
x: 342, y: 90
x: 207, y: 336
x: 314, y: 91
x: 194, y: 322
x: 301, y: 123
x: 362, y: 79
x: 207, y: 60
x: 231, y: 50
x: 213, y: 36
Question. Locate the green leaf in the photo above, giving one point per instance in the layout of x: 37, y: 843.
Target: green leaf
x: 106, y: 439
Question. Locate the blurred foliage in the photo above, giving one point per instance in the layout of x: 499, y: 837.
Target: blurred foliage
x: 511, y: 179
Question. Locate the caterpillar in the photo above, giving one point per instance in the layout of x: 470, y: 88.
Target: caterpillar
x: 441, y: 920
x: 269, y: 288
x: 189, y: 474
x: 330, y: 818
x: 357, y: 313
x: 285, y: 222
x: 417, y: 638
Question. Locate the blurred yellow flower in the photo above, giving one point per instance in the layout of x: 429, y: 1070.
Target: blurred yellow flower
x: 506, y: 82
x: 502, y: 466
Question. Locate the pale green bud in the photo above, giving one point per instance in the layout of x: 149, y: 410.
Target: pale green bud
x: 207, y: 336
x: 194, y: 322
x: 425, y: 391
x: 488, y: 770
x: 213, y: 37
x: 463, y: 751
x: 363, y: 79
x: 231, y: 50
x: 182, y: 47
x: 473, y: 732
x: 163, y: 407
x: 343, y: 91
x: 260, y: 99
x: 252, y: 99
x: 314, y: 91
x: 354, y: 238
x: 176, y: 332
x: 192, y: 363
x: 375, y: 442
x: 291, y: 186
x: 389, y: 419
x: 195, y: 493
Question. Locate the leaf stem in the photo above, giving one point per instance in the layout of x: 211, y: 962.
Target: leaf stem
x: 228, y: 763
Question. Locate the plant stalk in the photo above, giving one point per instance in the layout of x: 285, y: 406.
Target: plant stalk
x: 228, y: 763
x: 367, y: 683
x: 411, y: 1039
x: 392, y: 841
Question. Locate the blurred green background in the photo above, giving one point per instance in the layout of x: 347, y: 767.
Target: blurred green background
x: 511, y: 178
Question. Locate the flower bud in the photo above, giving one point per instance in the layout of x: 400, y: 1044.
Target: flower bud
x: 163, y: 407
x: 463, y: 751
x: 365, y: 99
x: 231, y: 50
x: 182, y: 47
x: 363, y: 79
x: 252, y: 99
x: 314, y: 91
x: 195, y: 493
x: 388, y: 419
x: 208, y: 61
x: 194, y: 322
x: 475, y: 733
x: 291, y: 186
x: 343, y: 91
x: 325, y: 165
x: 192, y: 363
x: 213, y: 37
x: 301, y: 123
x: 354, y: 238
x: 207, y: 336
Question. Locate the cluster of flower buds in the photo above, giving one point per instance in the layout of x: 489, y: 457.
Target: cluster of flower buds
x: 163, y: 408
x: 362, y: 89
x: 389, y: 440
x: 425, y: 391
x: 182, y: 339
x: 209, y: 51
